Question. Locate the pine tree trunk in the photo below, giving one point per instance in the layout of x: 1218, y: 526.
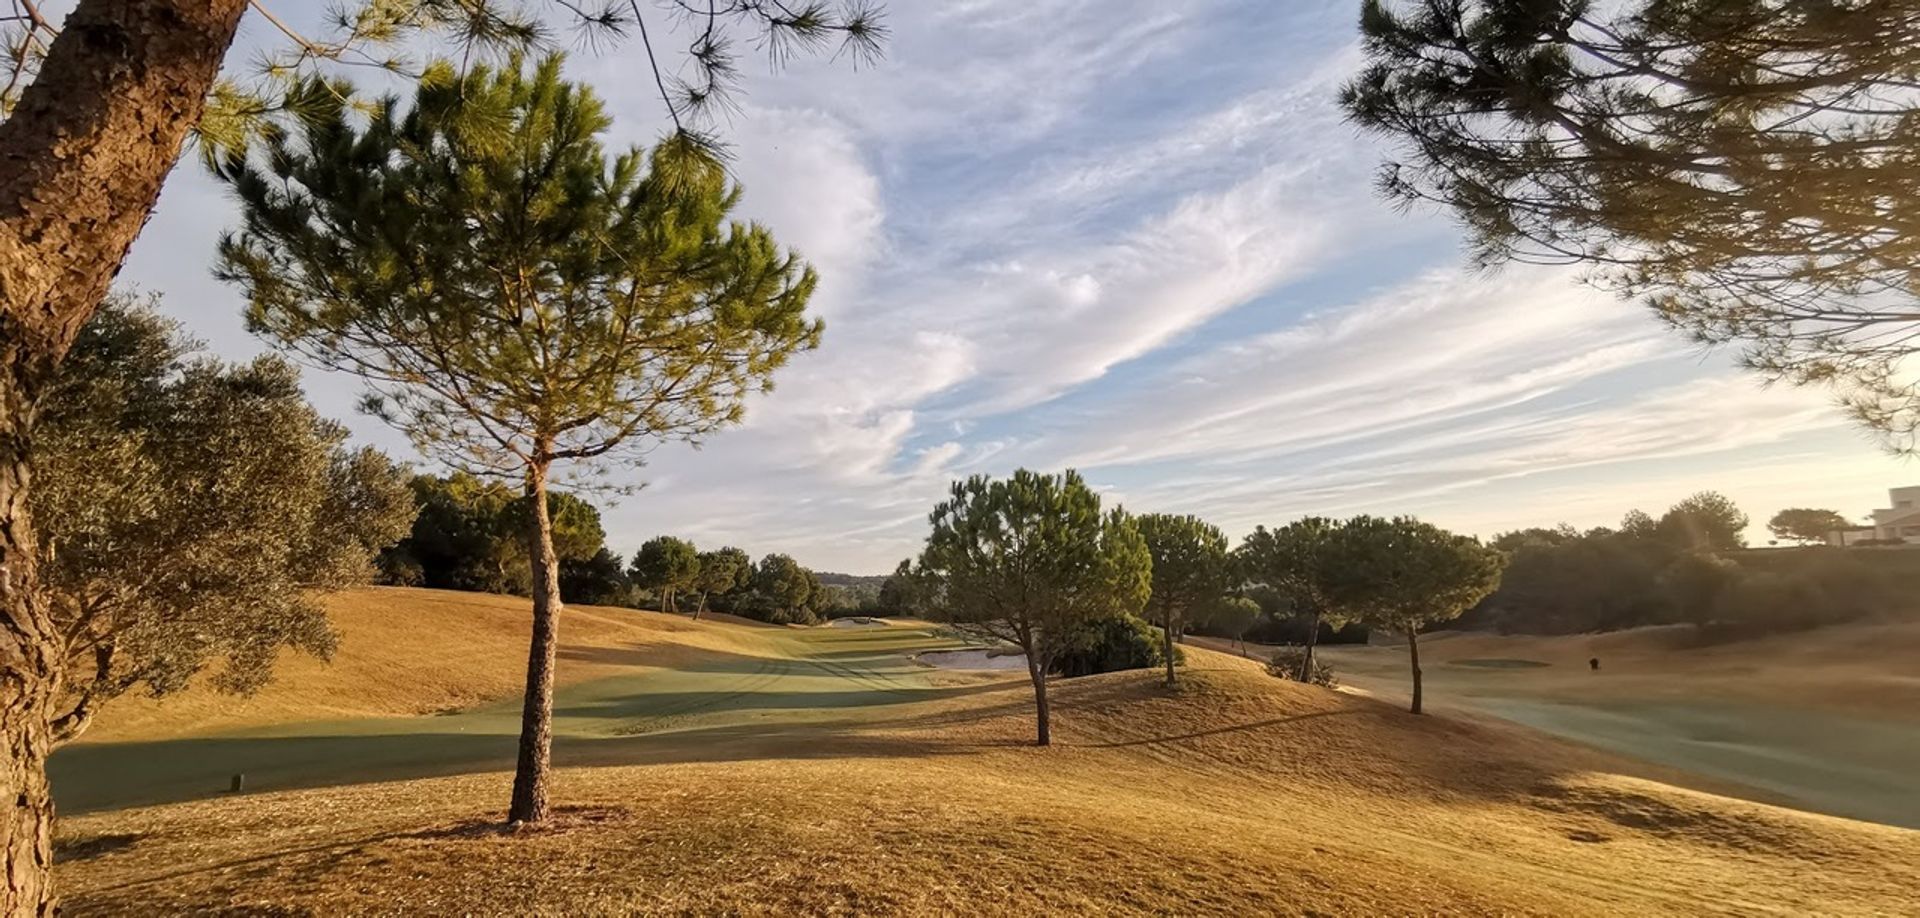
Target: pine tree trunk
x: 1038, y: 672
x: 1306, y: 659
x: 701, y: 606
x: 82, y: 159
x: 84, y: 155
x: 1413, y: 651
x: 1167, y: 631
x: 532, y: 772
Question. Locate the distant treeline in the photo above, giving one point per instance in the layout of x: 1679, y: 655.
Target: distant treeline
x: 469, y: 536
x: 1690, y: 566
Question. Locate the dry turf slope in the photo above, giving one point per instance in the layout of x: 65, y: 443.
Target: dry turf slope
x: 820, y: 771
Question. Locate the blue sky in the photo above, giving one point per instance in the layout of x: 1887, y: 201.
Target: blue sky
x: 1136, y: 238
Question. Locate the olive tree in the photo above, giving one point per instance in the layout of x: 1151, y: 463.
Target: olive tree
x: 514, y: 297
x: 1402, y: 575
x: 1190, y: 572
x: 1027, y: 558
x: 194, y: 511
x: 1300, y: 560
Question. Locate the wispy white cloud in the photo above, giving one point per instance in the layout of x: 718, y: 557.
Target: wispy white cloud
x: 1138, y: 238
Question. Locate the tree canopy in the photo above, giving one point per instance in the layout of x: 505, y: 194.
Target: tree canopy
x: 1806, y: 525
x: 1028, y: 558
x: 193, y: 508
x: 1302, y: 560
x: 1190, y: 573
x: 722, y: 571
x: 1234, y: 615
x: 782, y: 587
x: 564, y: 306
x: 1403, y: 575
x: 470, y: 534
x: 666, y: 565
x: 1748, y: 169
x: 1706, y: 521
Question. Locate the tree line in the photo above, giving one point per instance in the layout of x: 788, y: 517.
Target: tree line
x: 470, y: 534
x: 1031, y: 559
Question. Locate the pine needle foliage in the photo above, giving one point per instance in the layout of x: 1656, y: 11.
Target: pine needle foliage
x: 512, y: 295
x: 1748, y: 169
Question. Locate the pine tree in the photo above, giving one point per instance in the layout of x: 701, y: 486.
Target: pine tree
x: 1190, y: 568
x: 514, y: 298
x: 1027, y: 560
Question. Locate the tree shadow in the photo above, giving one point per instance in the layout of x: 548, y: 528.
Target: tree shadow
x: 1217, y: 731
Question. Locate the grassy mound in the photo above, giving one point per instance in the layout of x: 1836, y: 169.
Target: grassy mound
x: 1238, y: 793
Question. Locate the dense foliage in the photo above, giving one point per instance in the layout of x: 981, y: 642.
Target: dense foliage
x: 470, y: 534
x: 1294, y: 664
x: 1299, y: 564
x: 193, y: 509
x: 1029, y: 559
x: 1404, y: 575
x: 1685, y: 567
x: 666, y: 565
x: 1191, y: 572
x: 1111, y: 643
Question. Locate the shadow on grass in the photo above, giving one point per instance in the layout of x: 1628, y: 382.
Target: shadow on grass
x: 1217, y: 731
x: 90, y: 777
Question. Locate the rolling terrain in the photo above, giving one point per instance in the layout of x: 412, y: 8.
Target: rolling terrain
x: 1827, y: 720
x: 723, y: 767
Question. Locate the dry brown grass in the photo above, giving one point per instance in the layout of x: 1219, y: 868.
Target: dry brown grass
x: 1239, y: 794
x: 1863, y: 669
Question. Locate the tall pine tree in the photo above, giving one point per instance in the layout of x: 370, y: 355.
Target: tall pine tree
x: 514, y: 298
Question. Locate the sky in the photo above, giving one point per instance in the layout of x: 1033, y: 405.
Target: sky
x: 1137, y: 239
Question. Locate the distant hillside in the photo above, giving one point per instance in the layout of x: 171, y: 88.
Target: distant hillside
x: 852, y: 581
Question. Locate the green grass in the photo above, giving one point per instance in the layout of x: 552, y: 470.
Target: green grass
x: 804, y: 677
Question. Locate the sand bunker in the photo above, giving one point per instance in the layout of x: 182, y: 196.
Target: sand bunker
x: 860, y: 621
x: 973, y: 659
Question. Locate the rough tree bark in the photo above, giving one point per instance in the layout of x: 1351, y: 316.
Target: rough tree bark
x: 1413, y: 651
x: 29, y: 682
x: 533, y: 770
x: 82, y: 160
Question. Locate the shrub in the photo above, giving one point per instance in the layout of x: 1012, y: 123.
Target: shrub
x: 1285, y: 664
x: 1110, y: 644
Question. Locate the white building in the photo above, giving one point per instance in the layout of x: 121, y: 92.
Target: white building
x: 1902, y: 520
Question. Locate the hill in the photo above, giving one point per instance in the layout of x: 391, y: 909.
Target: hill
x: 746, y: 769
